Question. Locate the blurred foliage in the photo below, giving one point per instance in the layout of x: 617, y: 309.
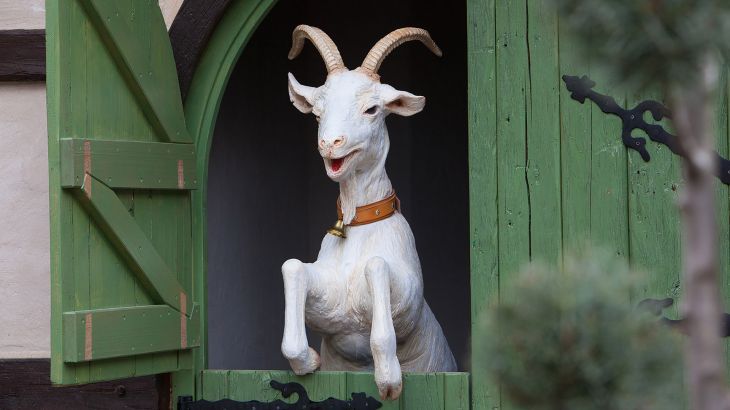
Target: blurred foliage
x: 650, y: 41
x: 570, y: 340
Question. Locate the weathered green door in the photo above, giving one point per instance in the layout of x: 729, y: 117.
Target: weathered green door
x: 122, y: 165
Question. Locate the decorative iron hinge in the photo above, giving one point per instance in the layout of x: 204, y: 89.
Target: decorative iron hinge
x: 359, y: 401
x: 582, y: 88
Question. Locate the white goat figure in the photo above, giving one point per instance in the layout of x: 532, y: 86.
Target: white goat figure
x: 364, y: 294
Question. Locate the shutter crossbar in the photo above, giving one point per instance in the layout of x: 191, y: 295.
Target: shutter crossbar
x: 128, y: 164
x: 127, y: 331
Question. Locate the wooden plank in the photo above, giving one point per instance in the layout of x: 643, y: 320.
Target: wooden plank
x: 423, y: 391
x: 483, y: 205
x: 24, y: 384
x: 654, y: 220
x: 215, y: 385
x: 246, y: 385
x: 164, y: 217
x: 201, y: 112
x: 128, y: 238
x: 456, y: 391
x: 543, y: 133
x: 364, y: 382
x: 575, y: 143
x: 127, y: 331
x: 609, y: 225
x: 512, y: 90
x: 151, y: 77
x: 128, y: 164
x: 22, y: 55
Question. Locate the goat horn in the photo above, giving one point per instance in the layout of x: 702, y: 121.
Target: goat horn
x: 387, y: 44
x: 323, y: 43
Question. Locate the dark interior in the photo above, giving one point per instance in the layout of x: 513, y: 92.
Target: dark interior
x: 269, y: 198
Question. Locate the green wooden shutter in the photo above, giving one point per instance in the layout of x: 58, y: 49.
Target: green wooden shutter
x: 122, y: 165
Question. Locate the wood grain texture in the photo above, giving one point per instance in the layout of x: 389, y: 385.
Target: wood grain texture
x: 22, y: 55
x: 90, y: 94
x: 513, y: 89
x: 24, y: 384
x: 128, y: 164
x: 654, y: 232
x: 543, y: 171
x: 483, y: 205
x: 136, y: 37
x: 421, y: 391
x: 119, y: 332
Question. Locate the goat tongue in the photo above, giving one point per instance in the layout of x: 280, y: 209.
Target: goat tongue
x: 337, y: 163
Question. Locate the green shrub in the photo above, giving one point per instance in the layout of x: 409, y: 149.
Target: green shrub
x: 571, y: 340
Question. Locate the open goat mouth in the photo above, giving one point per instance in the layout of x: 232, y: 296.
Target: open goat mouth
x: 336, y: 164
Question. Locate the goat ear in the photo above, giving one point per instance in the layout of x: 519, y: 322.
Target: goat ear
x: 401, y: 102
x: 300, y: 95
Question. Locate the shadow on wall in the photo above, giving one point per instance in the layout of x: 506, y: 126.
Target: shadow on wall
x: 269, y: 198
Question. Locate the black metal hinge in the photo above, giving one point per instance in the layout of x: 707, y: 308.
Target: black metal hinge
x: 359, y: 401
x: 582, y: 87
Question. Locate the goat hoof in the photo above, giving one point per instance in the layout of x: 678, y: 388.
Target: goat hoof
x: 308, y: 365
x: 389, y: 381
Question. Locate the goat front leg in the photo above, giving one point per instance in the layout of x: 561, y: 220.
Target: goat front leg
x: 294, y: 345
x: 382, y: 332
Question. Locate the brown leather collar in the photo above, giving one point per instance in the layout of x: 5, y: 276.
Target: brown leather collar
x: 377, y: 211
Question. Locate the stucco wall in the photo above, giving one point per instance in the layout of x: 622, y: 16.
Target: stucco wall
x: 24, y: 231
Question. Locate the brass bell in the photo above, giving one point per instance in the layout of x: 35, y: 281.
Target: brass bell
x: 338, y: 230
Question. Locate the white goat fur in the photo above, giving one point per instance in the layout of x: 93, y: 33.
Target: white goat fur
x: 363, y: 294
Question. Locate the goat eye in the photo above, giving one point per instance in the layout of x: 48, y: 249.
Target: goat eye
x: 372, y: 110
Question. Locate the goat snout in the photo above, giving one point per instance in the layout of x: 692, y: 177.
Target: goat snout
x: 335, y: 142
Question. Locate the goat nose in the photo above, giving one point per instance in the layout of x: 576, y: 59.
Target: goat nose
x: 322, y: 143
x: 339, y: 141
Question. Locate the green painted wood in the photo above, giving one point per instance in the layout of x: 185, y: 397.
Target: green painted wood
x: 512, y: 91
x: 214, y: 385
x: 543, y: 133
x: 364, y: 382
x: 129, y: 239
x: 150, y: 75
x: 421, y: 391
x: 254, y: 385
x: 609, y: 224
x: 575, y: 145
x: 128, y: 164
x: 128, y: 331
x: 483, y: 205
x: 201, y: 110
x: 654, y: 229
x: 456, y: 391
x: 90, y: 95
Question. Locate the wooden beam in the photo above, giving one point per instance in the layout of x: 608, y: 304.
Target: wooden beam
x: 128, y: 164
x: 130, y: 240
x: 22, y: 55
x: 127, y: 331
x: 24, y: 384
x: 23, y: 52
x: 189, y: 33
